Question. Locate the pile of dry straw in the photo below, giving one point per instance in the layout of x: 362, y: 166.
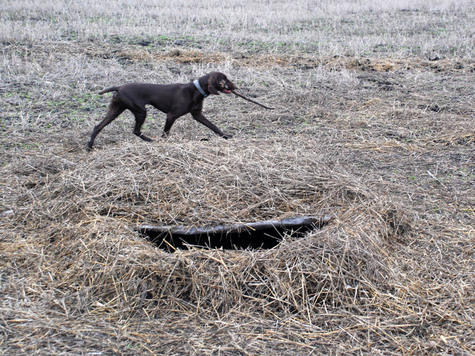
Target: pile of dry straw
x: 71, y: 253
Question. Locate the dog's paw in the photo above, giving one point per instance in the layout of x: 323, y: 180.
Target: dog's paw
x: 226, y: 136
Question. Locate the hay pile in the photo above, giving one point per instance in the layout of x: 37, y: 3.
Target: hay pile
x: 85, y: 281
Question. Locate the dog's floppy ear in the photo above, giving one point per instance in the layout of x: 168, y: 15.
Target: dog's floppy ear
x: 213, y: 84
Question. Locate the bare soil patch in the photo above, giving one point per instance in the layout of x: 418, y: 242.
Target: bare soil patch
x: 258, y: 61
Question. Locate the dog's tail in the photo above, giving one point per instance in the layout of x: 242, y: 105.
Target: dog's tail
x: 109, y: 90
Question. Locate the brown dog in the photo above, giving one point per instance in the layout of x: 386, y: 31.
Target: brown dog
x: 173, y: 99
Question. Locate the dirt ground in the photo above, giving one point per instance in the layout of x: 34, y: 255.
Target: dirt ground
x: 384, y: 145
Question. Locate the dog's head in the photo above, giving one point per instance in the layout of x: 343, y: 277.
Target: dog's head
x: 218, y: 82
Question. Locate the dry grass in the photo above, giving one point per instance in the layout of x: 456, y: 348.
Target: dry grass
x: 356, y: 28
x: 381, y: 140
x: 78, y: 251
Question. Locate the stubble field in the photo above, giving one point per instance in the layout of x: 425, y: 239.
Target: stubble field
x: 373, y: 126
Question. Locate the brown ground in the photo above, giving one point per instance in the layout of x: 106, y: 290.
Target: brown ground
x: 384, y: 145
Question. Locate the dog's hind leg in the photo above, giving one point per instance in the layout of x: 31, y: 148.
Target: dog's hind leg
x: 140, y: 115
x: 115, y: 109
x: 171, y: 118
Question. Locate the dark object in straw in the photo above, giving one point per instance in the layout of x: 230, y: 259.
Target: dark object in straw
x: 260, y: 234
x: 252, y: 101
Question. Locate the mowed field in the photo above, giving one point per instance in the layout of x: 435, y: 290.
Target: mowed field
x: 373, y: 126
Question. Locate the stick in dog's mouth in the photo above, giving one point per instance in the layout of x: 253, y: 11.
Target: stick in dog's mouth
x: 252, y: 101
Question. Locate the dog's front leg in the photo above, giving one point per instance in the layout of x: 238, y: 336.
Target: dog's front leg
x: 200, y: 118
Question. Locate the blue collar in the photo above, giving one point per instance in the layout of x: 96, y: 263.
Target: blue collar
x: 200, y: 89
